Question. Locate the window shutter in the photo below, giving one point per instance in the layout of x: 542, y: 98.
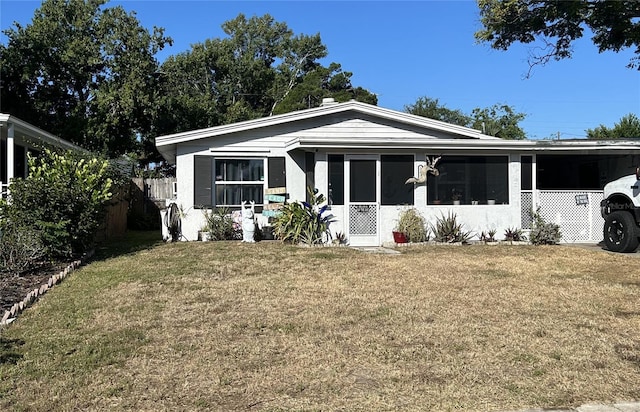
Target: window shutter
x: 203, y: 180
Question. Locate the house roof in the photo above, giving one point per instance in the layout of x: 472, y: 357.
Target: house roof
x: 461, y: 138
x: 24, y: 130
x: 167, y: 144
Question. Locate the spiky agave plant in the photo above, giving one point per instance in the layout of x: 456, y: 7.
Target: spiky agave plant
x: 448, y: 230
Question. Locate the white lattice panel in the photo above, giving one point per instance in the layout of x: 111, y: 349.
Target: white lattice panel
x: 577, y: 213
x: 597, y: 224
x: 363, y: 219
x: 526, y: 209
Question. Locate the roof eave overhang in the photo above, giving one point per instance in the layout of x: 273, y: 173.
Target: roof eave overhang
x: 461, y: 144
x: 32, y: 131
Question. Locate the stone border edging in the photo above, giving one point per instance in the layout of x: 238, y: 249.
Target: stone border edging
x: 31, y: 297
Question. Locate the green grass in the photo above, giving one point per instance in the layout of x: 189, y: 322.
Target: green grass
x: 229, y: 326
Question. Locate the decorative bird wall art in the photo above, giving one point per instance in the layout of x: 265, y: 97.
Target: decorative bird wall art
x: 423, y: 171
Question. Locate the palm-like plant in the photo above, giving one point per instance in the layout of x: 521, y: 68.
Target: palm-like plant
x: 302, y: 222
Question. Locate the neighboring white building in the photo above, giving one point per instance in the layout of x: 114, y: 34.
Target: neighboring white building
x: 360, y: 156
x: 17, y: 138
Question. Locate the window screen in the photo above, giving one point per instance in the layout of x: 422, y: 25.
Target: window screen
x: 469, y: 179
x: 395, y: 170
x: 336, y: 179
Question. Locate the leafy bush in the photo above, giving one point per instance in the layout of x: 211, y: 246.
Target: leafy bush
x: 304, y: 222
x: 21, y: 248
x: 219, y: 224
x: 63, y: 200
x: 448, y: 230
x: 413, y: 225
x: 514, y: 235
x: 544, y: 233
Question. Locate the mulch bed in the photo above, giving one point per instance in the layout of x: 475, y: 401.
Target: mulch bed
x: 14, y: 287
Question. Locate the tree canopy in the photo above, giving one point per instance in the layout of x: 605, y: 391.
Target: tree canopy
x: 499, y: 120
x: 627, y: 127
x: 431, y: 108
x: 88, y: 73
x: 82, y: 72
x: 260, y: 69
x: 615, y: 25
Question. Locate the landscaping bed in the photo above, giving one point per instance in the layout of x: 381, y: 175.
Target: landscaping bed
x: 14, y: 287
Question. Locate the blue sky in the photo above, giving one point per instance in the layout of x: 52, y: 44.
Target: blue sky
x: 402, y: 50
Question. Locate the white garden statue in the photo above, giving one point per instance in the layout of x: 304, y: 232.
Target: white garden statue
x: 248, y: 222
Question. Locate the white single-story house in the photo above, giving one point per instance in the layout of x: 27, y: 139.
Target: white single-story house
x: 17, y: 138
x: 360, y: 157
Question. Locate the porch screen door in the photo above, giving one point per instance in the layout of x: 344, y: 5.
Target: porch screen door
x: 363, y: 202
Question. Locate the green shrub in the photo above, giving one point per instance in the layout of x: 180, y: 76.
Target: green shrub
x: 514, y: 235
x: 21, y: 248
x: 219, y: 224
x: 413, y: 225
x: 63, y: 200
x: 304, y: 222
x: 544, y: 233
x: 448, y: 230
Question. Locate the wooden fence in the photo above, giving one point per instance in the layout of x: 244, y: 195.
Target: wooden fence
x: 156, y: 189
x: 115, y: 221
x: 147, y: 198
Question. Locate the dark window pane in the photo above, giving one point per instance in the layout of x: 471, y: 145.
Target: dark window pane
x: 240, y: 170
x: 336, y: 179
x: 468, y: 179
x: 526, y: 172
x: 234, y: 194
x: 203, y: 180
x: 395, y: 170
x: 309, y: 172
x: 363, y: 181
x: 277, y: 173
x: 582, y: 172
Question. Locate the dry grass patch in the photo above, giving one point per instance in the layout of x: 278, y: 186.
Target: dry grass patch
x: 230, y: 326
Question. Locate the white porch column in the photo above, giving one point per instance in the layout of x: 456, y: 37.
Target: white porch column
x: 534, y: 181
x: 10, y: 152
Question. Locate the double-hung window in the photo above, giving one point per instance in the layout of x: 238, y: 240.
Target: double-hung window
x: 225, y: 182
x: 238, y: 180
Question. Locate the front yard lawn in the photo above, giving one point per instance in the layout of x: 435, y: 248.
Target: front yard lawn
x: 266, y: 326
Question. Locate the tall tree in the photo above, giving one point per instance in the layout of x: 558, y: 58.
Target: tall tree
x: 261, y: 68
x: 627, y: 127
x: 319, y: 83
x: 499, y: 120
x: 83, y: 72
x: 615, y: 25
x: 431, y: 108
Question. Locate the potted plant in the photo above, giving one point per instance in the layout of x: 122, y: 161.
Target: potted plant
x: 514, y: 234
x: 492, y: 199
x: 456, y: 195
x: 399, y: 237
x: 411, y: 227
